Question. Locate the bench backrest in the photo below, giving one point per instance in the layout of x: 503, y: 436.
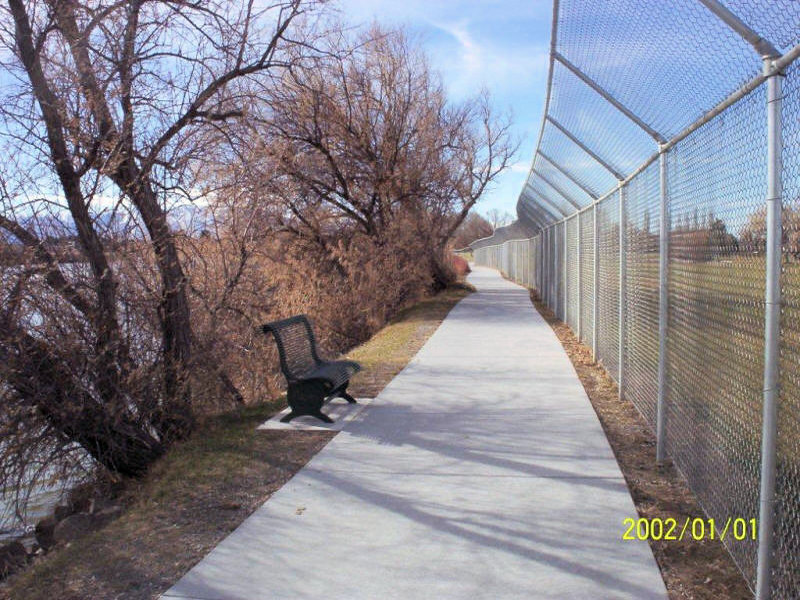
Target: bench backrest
x: 297, y: 345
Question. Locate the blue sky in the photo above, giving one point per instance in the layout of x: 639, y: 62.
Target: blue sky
x: 500, y: 44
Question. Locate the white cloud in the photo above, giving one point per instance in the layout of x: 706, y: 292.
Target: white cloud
x: 487, y: 63
x: 520, y: 167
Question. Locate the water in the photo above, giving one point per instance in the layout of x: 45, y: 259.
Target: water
x: 41, y: 502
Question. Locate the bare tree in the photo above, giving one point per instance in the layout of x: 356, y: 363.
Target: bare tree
x: 753, y: 235
x: 474, y: 227
x: 499, y: 218
x: 111, y: 98
x: 365, y: 136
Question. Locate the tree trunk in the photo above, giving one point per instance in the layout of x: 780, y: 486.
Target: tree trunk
x: 176, y: 420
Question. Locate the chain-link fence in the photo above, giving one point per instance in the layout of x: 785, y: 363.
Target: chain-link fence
x: 664, y: 205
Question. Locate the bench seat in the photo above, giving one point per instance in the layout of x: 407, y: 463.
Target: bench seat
x: 335, y: 372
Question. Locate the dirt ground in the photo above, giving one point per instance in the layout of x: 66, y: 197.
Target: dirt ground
x: 691, y: 569
x: 205, y: 487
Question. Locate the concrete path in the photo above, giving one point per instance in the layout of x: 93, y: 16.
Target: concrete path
x: 481, y: 471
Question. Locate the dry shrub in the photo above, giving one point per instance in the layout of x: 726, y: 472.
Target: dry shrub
x: 241, y: 278
x: 354, y: 292
x: 460, y: 265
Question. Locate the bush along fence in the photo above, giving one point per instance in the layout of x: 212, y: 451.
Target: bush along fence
x: 681, y: 271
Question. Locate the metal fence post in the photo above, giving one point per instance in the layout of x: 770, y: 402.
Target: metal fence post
x: 529, y: 263
x: 537, y: 273
x: 580, y: 287
x: 554, y: 272
x: 550, y: 268
x: 539, y: 264
x: 557, y: 277
x: 554, y: 264
x: 596, y: 281
x: 564, y: 271
x: 532, y: 263
x: 772, y: 317
x: 553, y: 282
x: 546, y: 259
x: 622, y: 282
x: 545, y: 278
x: 543, y: 264
x: 523, y: 248
x: 663, y: 299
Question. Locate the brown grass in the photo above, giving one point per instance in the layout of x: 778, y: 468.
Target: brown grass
x: 692, y: 570
x: 206, y: 486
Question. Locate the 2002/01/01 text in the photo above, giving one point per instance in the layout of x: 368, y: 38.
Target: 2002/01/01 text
x: 694, y: 528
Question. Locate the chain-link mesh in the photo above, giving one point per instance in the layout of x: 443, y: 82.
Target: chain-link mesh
x: 524, y: 266
x: 608, y: 284
x: 581, y: 166
x: 668, y: 64
x: 587, y: 276
x: 556, y: 270
x: 558, y: 178
x: 625, y: 150
x: 716, y: 313
x: 554, y: 201
x: 641, y: 294
x: 512, y: 259
x: 572, y: 273
x: 779, y: 22
x: 787, y: 554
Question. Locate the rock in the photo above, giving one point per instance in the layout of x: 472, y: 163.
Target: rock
x: 74, y: 527
x: 108, y: 514
x: 12, y: 558
x: 62, y: 511
x: 80, y: 498
x: 100, y: 505
x: 44, y: 533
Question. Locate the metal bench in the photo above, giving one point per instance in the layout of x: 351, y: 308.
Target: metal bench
x: 311, y: 380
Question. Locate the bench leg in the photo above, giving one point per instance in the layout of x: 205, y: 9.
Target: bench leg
x: 306, y: 398
x: 341, y: 392
x: 319, y: 415
x: 289, y: 417
x: 323, y: 417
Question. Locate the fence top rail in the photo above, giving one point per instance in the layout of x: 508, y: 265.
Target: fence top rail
x: 633, y: 124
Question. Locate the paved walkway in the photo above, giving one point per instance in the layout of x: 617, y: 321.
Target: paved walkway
x: 481, y: 471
